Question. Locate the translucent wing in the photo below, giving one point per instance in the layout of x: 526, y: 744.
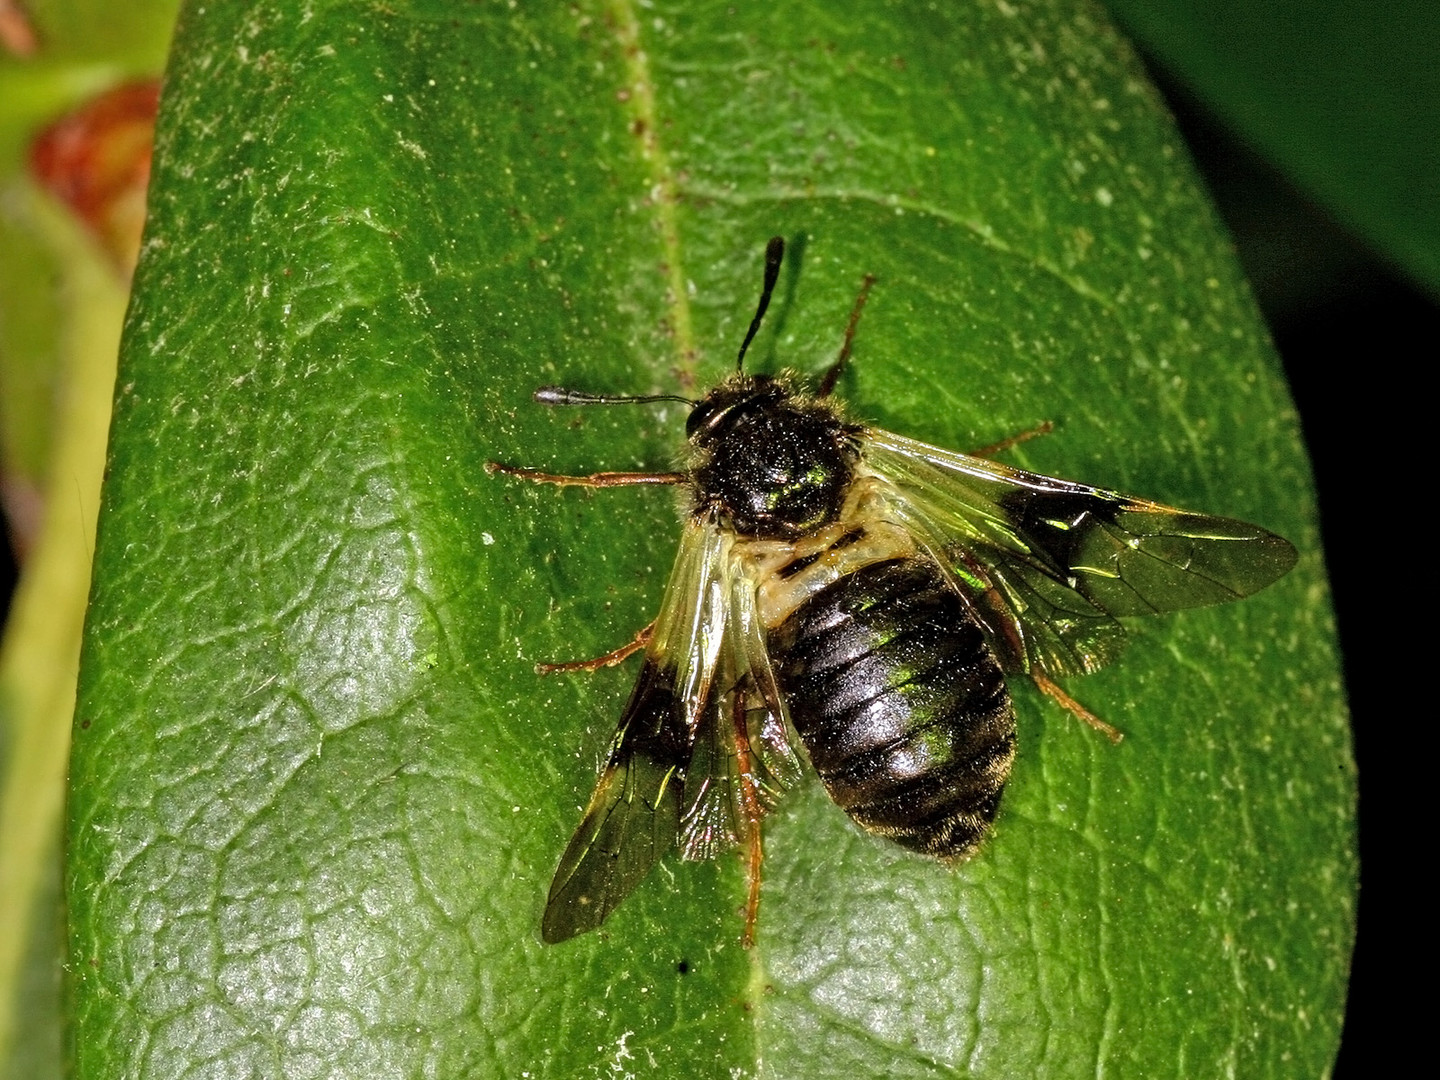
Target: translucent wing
x: 732, y: 780
x: 673, y: 765
x: 634, y: 813
x: 1045, y: 564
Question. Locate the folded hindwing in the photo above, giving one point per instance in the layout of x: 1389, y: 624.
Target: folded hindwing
x: 676, y: 767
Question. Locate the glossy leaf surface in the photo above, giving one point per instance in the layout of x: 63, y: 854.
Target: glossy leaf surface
x: 318, y: 790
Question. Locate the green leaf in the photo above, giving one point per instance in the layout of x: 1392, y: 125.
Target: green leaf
x: 1342, y: 96
x: 318, y: 789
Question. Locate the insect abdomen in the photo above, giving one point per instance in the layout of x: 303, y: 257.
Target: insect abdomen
x: 901, y: 705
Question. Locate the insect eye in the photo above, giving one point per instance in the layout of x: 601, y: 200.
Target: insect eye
x: 702, y: 416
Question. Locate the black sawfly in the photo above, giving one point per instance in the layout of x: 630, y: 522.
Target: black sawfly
x: 861, y: 595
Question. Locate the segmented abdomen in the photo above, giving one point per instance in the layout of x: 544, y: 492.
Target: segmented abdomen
x: 901, y: 705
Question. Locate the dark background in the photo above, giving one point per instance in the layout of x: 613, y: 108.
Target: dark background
x: 1349, y: 329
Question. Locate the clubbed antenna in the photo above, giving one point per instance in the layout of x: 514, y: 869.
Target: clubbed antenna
x: 774, y: 252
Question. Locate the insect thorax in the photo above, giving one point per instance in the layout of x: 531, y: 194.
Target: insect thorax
x: 770, y: 464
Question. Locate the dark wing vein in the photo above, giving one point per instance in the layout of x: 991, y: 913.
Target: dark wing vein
x: 1047, y: 564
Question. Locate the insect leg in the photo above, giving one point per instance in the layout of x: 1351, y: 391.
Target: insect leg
x: 1079, y: 711
x: 750, y: 807
x: 610, y: 659
x: 599, y: 479
x: 1042, y: 428
x: 833, y: 375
